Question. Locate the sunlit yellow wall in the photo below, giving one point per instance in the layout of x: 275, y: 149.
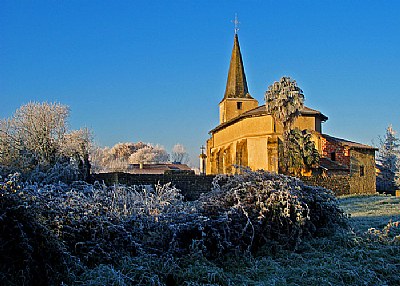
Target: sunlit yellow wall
x: 257, y: 153
x: 306, y: 122
x: 255, y: 132
x: 245, y: 128
x: 228, y: 108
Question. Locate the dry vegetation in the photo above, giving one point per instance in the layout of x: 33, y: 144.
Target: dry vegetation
x: 252, y: 229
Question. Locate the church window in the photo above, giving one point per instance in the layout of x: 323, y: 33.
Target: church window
x: 333, y: 156
x: 362, y: 171
x: 239, y: 105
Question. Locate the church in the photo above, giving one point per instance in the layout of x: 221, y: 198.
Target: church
x: 248, y: 136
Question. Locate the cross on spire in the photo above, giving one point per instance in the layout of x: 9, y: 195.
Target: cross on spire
x: 236, y: 22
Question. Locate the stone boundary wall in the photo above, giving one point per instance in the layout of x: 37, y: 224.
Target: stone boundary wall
x: 194, y: 185
x: 339, y: 184
x: 190, y: 185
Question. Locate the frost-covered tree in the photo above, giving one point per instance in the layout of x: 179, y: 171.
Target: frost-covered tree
x: 149, y: 154
x: 179, y: 154
x: 35, y: 141
x: 284, y: 100
x: 125, y: 150
x: 118, y: 157
x: 36, y: 130
x: 107, y: 159
x: 389, y: 159
x: 76, y: 146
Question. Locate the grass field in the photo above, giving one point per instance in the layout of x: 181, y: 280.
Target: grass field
x: 371, y: 211
x: 353, y: 258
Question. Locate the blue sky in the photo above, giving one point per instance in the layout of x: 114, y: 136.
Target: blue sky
x: 155, y: 71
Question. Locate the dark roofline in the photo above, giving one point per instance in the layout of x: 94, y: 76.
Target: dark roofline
x: 260, y: 111
x: 347, y: 143
x: 328, y: 164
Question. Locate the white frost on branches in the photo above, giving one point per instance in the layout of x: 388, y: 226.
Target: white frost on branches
x: 179, y: 154
x: 284, y: 100
x: 36, y: 142
x: 389, y: 158
x: 149, y: 154
x: 118, y: 158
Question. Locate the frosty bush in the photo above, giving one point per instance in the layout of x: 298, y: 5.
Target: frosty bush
x: 254, y: 209
x: 390, y: 234
x: 245, y: 213
x: 30, y: 254
x: 77, y: 228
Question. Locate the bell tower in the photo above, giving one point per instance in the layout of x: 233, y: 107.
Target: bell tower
x: 237, y: 99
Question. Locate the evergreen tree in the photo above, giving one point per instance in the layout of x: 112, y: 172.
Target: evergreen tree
x: 389, y: 159
x: 300, y: 154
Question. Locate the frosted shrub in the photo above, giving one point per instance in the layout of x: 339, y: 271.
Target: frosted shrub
x: 79, y: 215
x: 259, y: 208
x: 390, y: 234
x: 30, y: 254
x: 79, y: 227
x: 97, y: 223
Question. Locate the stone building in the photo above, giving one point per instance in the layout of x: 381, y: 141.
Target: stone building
x: 247, y: 135
x: 357, y: 160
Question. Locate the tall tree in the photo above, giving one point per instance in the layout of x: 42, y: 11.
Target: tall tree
x: 284, y: 101
x: 179, y: 154
x: 36, y: 139
x: 149, y: 154
x: 389, y: 159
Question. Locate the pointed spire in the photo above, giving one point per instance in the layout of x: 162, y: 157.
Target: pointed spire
x: 236, y: 85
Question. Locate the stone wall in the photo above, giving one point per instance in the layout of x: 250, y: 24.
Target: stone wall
x: 339, y: 184
x: 362, y: 171
x: 341, y: 153
x: 194, y: 185
x: 190, y: 185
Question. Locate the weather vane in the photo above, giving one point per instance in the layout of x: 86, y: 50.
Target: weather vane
x: 236, y: 22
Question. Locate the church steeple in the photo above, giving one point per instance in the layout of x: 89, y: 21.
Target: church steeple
x: 237, y: 99
x: 236, y: 85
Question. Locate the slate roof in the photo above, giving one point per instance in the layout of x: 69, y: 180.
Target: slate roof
x: 157, y: 168
x: 236, y: 84
x: 328, y: 164
x: 347, y: 143
x: 260, y: 111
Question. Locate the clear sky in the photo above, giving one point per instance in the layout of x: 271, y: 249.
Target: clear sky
x: 155, y: 71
